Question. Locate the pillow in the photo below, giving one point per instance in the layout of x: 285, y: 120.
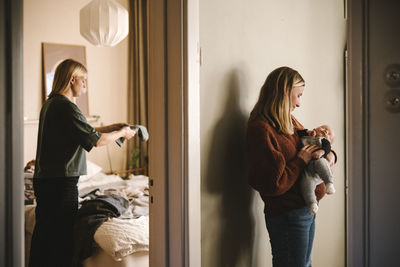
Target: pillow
x: 92, y: 170
x: 121, y: 237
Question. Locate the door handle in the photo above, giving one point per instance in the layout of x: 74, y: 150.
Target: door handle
x: 392, y: 101
x: 392, y: 75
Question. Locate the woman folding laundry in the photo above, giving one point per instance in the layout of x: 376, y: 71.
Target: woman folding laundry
x: 63, y: 136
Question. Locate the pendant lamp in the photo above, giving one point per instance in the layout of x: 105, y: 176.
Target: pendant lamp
x: 104, y: 22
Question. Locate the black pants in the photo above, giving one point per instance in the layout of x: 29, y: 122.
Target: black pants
x: 57, y: 205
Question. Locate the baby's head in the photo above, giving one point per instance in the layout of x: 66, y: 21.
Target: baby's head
x: 326, y: 132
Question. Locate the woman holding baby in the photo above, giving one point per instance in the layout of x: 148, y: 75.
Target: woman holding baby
x: 276, y: 159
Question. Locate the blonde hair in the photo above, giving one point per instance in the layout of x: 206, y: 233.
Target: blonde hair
x: 65, y: 71
x: 274, y: 101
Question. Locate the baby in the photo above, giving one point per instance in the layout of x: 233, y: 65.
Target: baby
x: 318, y: 170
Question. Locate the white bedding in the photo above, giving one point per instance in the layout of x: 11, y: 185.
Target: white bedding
x: 102, y: 259
x: 121, y: 237
x: 99, y: 180
x: 134, y: 189
x: 117, y: 237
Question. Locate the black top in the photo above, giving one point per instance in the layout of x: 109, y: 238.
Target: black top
x: 63, y: 134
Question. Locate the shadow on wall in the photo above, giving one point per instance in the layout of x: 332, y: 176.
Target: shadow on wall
x: 226, y: 179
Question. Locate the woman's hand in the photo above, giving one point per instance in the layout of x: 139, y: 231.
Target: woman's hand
x: 128, y: 132
x: 306, y: 152
x: 107, y: 137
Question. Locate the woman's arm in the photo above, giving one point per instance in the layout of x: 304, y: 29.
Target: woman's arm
x: 270, y: 172
x: 111, y: 128
x: 108, y: 137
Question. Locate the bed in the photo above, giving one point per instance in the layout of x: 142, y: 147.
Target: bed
x: 119, y: 242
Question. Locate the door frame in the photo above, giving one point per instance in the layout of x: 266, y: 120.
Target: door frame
x: 357, y: 135
x: 11, y: 134
x: 174, y: 122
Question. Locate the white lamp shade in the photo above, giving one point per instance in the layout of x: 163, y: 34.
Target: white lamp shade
x: 104, y: 22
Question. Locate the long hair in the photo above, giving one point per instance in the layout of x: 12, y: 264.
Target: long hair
x: 274, y: 101
x: 63, y: 75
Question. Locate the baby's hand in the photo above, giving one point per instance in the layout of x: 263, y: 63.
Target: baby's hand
x: 318, y: 154
x: 312, y: 132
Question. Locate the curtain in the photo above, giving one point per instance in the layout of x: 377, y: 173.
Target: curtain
x: 137, y: 82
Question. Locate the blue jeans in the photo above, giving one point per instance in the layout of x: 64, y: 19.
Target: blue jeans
x: 291, y: 236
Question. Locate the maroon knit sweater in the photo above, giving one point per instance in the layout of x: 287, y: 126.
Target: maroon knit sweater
x: 274, y: 168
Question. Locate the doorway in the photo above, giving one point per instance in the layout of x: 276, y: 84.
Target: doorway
x: 167, y: 252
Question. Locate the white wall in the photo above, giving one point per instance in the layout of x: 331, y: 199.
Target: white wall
x: 58, y: 22
x: 241, y: 42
